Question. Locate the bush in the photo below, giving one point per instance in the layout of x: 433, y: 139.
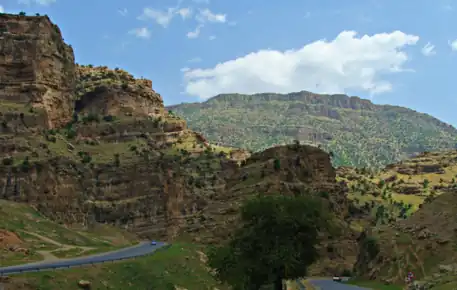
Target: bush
x: 8, y: 161
x: 108, y: 118
x: 324, y: 194
x: 51, y: 138
x: 25, y: 166
x: 346, y: 273
x: 371, y: 245
x: 91, y: 117
x: 277, y: 164
x: 117, y: 160
x: 71, y: 133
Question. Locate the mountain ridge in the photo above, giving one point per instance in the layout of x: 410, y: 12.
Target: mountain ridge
x: 335, y: 122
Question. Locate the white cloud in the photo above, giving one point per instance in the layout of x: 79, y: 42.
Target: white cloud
x: 142, y: 32
x: 346, y: 63
x: 453, y: 45
x: 185, y: 69
x: 164, y: 18
x: 195, y: 59
x: 212, y: 37
x: 206, y: 15
x: 123, y: 11
x: 40, y: 2
x: 428, y: 49
x: 185, y: 12
x: 2, y: 10
x: 195, y: 33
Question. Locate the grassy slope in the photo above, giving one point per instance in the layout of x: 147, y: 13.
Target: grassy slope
x: 37, y: 233
x: 255, y: 122
x: 182, y: 265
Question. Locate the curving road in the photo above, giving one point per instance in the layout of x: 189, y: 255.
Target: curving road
x: 142, y: 249
x: 325, y: 284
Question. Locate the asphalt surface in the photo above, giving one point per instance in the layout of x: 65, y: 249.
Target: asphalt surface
x: 331, y: 285
x: 142, y: 249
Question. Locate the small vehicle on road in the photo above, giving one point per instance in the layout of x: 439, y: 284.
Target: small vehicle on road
x: 153, y: 243
x: 336, y: 279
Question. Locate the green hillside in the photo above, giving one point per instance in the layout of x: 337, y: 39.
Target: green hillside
x: 358, y: 132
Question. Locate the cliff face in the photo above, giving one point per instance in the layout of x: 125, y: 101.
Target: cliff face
x: 115, y: 92
x: 36, y: 67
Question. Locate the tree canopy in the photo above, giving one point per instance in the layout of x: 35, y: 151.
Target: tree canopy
x: 277, y: 240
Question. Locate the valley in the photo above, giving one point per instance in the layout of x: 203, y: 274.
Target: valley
x: 91, y: 160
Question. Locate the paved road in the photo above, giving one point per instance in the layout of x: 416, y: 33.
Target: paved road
x: 331, y: 285
x: 142, y: 249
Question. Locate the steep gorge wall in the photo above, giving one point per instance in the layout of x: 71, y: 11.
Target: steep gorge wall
x: 36, y: 67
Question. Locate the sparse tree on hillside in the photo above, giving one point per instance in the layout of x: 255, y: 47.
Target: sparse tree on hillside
x: 276, y: 241
x: 425, y: 183
x: 277, y: 164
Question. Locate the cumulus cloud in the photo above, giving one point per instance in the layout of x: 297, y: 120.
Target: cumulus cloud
x: 2, y: 10
x: 428, y: 49
x: 453, y: 45
x: 346, y: 63
x: 164, y: 17
x: 142, y: 32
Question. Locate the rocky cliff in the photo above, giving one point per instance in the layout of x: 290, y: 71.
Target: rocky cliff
x: 37, y: 68
x: 101, y: 90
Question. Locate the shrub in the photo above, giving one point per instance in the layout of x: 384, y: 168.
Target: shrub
x: 371, y: 245
x: 324, y: 194
x: 8, y: 161
x: 71, y: 133
x: 108, y: 118
x: 25, y: 166
x: 117, y: 160
x: 277, y: 164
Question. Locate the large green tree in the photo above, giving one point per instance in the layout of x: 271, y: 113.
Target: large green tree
x: 277, y: 241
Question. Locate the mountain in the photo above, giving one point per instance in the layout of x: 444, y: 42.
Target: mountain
x: 90, y: 157
x: 358, y: 132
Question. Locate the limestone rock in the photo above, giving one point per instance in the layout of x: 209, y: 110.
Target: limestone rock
x: 36, y: 67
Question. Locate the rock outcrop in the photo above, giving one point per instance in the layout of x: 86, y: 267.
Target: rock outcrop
x: 36, y: 67
x: 115, y: 92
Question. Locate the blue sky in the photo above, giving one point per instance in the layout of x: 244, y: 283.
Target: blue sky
x: 393, y: 52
